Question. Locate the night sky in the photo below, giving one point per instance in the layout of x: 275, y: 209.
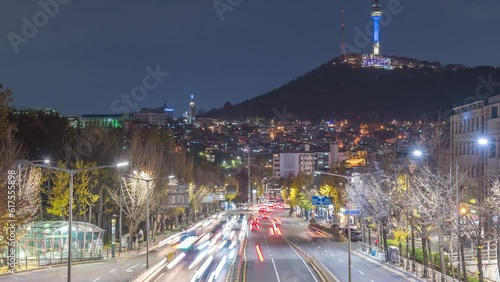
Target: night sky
x: 86, y: 54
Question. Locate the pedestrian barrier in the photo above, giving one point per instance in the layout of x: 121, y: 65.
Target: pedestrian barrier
x: 404, y: 264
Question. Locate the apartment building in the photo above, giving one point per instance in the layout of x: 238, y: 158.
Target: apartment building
x: 468, y: 124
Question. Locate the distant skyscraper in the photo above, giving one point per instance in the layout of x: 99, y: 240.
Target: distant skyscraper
x: 192, y: 110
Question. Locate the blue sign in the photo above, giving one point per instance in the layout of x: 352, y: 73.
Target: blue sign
x: 318, y: 200
x: 353, y: 212
x: 315, y: 200
x: 327, y: 201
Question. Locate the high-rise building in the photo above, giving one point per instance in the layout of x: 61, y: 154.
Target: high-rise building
x: 192, y: 110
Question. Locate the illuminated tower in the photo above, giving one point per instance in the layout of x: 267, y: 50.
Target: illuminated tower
x: 191, y: 110
x: 376, y: 15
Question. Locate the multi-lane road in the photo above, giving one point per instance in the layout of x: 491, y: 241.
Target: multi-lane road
x: 269, y: 255
x: 281, y: 262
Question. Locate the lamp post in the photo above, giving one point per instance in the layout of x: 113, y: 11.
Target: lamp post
x: 147, y: 180
x: 483, y: 142
x: 113, y: 232
x: 46, y: 161
x: 348, y: 178
x: 71, y: 172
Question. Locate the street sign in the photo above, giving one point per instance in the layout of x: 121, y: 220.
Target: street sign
x: 353, y: 212
x: 315, y: 200
x: 326, y: 201
x: 321, y: 200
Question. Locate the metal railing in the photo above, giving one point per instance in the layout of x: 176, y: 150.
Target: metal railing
x: 234, y: 273
x: 405, y: 264
x: 77, y: 256
x: 488, y: 254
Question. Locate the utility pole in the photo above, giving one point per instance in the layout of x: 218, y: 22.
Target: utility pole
x: 249, y: 180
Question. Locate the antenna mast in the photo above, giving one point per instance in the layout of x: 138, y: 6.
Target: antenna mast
x: 342, y: 42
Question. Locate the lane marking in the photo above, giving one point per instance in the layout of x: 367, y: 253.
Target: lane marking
x: 275, y: 270
x: 341, y: 260
x: 325, y: 251
x: 130, y: 268
x: 361, y: 272
x: 310, y: 271
x: 112, y: 270
x: 97, y: 279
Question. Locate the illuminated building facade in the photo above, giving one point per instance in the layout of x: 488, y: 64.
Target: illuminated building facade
x: 104, y: 121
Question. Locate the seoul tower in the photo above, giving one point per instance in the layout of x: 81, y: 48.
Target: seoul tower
x: 376, y: 15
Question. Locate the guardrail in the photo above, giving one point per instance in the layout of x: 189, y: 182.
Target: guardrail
x: 150, y: 273
x: 321, y: 270
x: 234, y: 273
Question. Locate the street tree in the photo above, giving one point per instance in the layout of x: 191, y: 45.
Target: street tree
x: 147, y: 158
x: 83, y: 182
x: 433, y: 198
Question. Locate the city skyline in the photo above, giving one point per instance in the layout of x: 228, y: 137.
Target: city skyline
x: 82, y: 57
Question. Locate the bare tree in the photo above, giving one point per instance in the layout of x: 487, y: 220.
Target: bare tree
x: 26, y: 180
x: 146, y: 155
x: 494, y: 209
x: 433, y: 198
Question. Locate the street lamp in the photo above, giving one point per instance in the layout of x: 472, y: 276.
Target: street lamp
x: 348, y: 178
x: 147, y: 180
x: 417, y: 153
x: 71, y: 172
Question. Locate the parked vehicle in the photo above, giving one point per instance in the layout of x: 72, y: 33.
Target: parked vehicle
x: 356, y: 236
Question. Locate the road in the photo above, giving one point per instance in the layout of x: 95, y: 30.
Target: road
x: 119, y: 269
x: 332, y: 254
x: 271, y: 258
x: 213, y: 253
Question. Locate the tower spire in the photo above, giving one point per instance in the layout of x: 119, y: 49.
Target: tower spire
x: 376, y: 16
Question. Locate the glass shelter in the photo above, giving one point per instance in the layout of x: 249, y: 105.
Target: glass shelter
x: 48, y: 241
